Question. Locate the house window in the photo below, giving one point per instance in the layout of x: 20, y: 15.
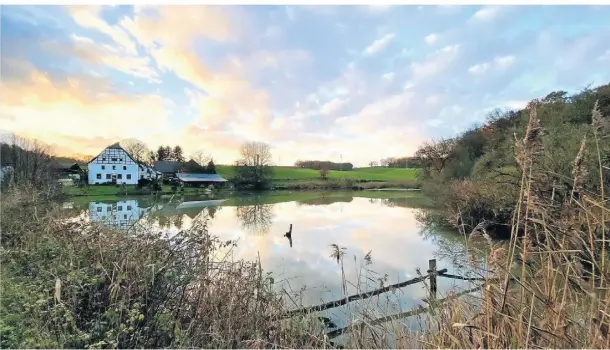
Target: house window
x: 120, y: 159
x: 114, y: 167
x: 98, y: 176
x: 103, y: 167
x: 124, y: 167
x: 125, y: 216
x: 113, y: 159
x: 108, y: 208
x: 99, y: 209
x: 120, y: 207
x: 141, y: 176
x: 129, y: 207
x: 128, y: 176
x: 107, y: 176
x: 104, y: 159
x: 119, y: 176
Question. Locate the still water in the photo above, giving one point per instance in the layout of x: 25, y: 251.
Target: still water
x: 386, y: 227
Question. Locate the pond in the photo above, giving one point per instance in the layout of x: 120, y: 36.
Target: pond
x: 303, y: 268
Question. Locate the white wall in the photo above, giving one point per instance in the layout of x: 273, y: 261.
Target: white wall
x: 106, y: 171
x: 115, y: 162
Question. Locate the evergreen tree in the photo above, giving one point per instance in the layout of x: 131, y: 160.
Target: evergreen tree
x: 177, y: 154
x: 211, y: 167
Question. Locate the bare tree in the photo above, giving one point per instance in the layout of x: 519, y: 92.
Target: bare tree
x: 136, y: 149
x: 31, y: 163
x: 436, y: 154
x: 324, y: 173
x: 201, y: 157
x: 372, y: 163
x: 254, y: 166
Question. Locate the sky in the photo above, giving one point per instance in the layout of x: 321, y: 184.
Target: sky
x: 351, y: 83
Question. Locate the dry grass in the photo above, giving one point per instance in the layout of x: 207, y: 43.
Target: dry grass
x: 71, y: 284
x: 557, y: 298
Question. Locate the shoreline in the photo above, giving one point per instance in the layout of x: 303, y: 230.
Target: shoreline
x: 296, y: 185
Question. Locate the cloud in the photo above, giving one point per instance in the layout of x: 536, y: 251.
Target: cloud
x: 502, y: 62
x: 486, y: 14
x: 333, y: 106
x: 389, y: 76
x: 88, y: 17
x: 436, y: 63
x: 431, y: 39
x: 379, y: 44
x: 213, y: 77
x: 52, y: 110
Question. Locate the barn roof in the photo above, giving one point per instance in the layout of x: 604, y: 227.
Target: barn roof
x: 167, y: 166
x: 190, y: 177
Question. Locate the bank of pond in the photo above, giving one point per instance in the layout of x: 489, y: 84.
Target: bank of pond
x: 382, y: 224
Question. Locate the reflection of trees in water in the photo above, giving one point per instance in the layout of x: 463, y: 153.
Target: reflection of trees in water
x: 405, y: 202
x: 325, y: 200
x: 256, y: 219
x: 212, y: 210
x: 451, y: 245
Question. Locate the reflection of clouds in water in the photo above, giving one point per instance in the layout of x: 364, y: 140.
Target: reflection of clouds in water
x: 392, y: 233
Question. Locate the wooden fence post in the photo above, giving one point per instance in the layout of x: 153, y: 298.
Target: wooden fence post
x: 432, y: 273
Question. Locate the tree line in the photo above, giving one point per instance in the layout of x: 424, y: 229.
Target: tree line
x: 323, y: 164
x: 475, y: 176
x: 203, y: 163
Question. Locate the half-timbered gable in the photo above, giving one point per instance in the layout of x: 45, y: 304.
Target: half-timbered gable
x: 115, y: 165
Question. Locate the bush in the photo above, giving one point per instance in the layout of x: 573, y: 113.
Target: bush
x: 77, y: 285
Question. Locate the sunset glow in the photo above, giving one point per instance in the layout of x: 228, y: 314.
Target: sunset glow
x: 361, y: 83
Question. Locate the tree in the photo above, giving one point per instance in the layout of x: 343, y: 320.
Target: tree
x: 436, y: 154
x: 151, y: 158
x: 254, y: 166
x: 177, y: 154
x: 136, y: 149
x: 372, y: 163
x: 201, y: 157
x: 211, y: 167
x: 31, y: 161
x: 324, y: 173
x: 164, y: 153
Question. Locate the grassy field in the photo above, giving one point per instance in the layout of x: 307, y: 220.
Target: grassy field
x: 291, y: 178
x: 369, y: 174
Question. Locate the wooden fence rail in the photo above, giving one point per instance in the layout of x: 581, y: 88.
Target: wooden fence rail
x: 337, y: 332
x: 343, y: 301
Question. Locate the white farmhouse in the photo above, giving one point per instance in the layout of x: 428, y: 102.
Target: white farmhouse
x: 114, y: 164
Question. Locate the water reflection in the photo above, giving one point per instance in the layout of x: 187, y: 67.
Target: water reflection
x: 121, y: 214
x: 255, y: 219
x: 303, y: 266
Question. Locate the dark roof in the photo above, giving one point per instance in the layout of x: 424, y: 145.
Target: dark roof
x: 167, y: 166
x: 115, y: 145
x: 190, y: 177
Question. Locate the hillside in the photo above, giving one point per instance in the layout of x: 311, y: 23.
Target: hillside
x: 477, y: 175
x: 368, y: 174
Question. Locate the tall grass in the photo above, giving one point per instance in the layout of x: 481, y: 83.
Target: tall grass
x: 73, y: 284
x: 78, y: 285
x: 549, y: 286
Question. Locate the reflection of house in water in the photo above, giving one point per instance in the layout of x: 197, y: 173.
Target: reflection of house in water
x: 192, y: 209
x: 121, y: 214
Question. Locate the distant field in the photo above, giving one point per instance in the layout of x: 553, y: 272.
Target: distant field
x: 294, y: 173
